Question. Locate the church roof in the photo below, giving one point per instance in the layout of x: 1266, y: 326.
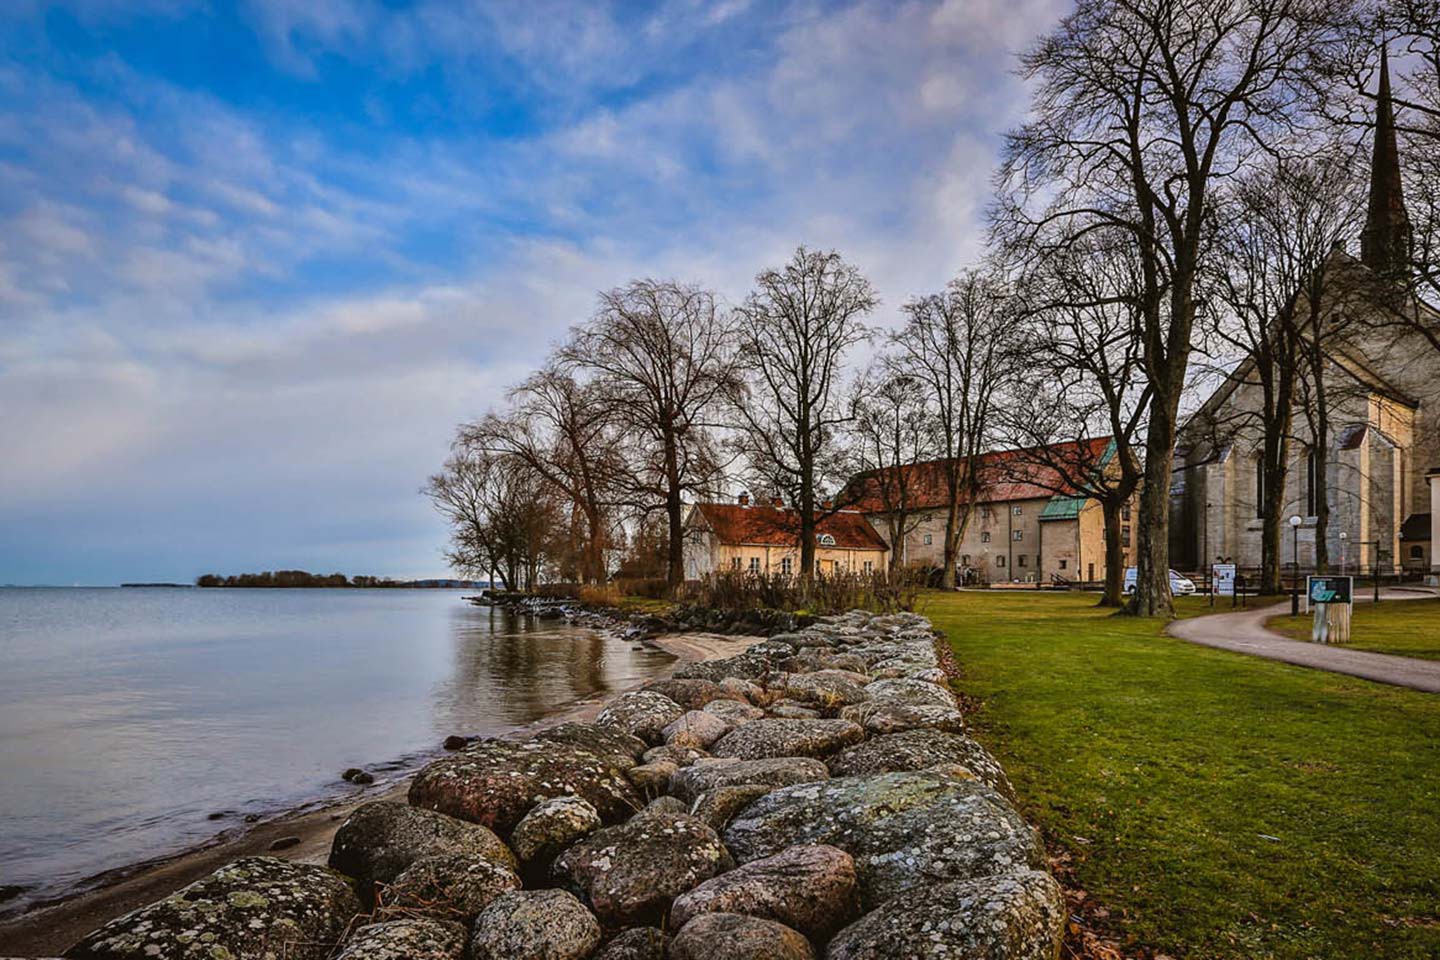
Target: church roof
x: 1416, y: 527
x: 1385, y: 243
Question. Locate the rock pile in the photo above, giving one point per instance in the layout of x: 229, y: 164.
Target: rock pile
x: 815, y: 796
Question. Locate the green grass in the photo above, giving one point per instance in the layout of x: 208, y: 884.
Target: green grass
x: 1163, y: 769
x: 1410, y: 628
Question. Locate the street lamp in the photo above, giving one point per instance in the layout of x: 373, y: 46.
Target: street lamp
x: 1343, y: 538
x: 1295, y: 522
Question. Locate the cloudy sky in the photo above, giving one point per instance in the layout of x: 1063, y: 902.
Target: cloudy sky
x: 258, y: 260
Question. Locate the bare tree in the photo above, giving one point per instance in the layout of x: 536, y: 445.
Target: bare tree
x: 501, y: 519
x: 891, y: 431
x: 793, y: 333
x: 1140, y: 108
x: 954, y: 343
x: 661, y: 356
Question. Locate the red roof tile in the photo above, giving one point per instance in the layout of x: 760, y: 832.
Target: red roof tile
x: 763, y: 525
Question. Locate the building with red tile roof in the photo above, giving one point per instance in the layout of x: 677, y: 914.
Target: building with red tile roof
x: 764, y: 539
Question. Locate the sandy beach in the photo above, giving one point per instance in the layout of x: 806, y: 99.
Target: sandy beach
x: 50, y: 930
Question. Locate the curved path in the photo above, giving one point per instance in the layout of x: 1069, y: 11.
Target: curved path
x: 1244, y: 632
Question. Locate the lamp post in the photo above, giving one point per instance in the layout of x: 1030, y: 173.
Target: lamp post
x: 1295, y: 522
x: 1343, y: 538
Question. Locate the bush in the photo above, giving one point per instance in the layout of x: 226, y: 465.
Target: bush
x: 736, y: 591
x: 651, y: 588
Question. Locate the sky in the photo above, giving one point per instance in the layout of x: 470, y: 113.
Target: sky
x: 258, y: 260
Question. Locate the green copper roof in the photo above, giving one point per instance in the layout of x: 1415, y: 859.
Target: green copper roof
x: 1062, y: 508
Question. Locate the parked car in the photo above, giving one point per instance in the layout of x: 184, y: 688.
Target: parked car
x: 1180, y: 586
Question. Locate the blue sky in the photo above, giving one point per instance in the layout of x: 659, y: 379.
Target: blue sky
x: 259, y: 259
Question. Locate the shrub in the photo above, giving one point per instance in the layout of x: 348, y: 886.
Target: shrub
x: 734, y: 591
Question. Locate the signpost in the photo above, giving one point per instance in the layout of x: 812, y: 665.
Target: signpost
x: 1332, y: 598
x: 1222, y: 575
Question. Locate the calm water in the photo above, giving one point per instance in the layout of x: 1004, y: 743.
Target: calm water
x: 129, y: 716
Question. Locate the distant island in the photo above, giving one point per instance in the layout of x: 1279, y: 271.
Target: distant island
x: 303, y: 578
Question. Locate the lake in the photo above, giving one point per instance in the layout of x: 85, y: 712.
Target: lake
x: 128, y: 717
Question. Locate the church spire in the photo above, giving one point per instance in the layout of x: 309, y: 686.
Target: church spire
x: 1385, y: 244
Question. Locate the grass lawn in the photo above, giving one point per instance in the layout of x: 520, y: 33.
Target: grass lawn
x: 1218, y: 805
x: 1410, y: 628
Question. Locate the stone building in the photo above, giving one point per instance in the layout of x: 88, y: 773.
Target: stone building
x: 1382, y: 380
x: 765, y: 539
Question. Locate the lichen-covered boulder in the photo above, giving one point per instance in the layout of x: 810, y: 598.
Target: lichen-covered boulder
x: 825, y: 690
x: 257, y: 908
x: 880, y: 718
x: 773, y: 648
x: 744, y: 666
x: 810, y: 888
x: 903, y: 829
x: 734, y: 712
x: 380, y: 839
x: 450, y: 886
x: 690, y: 694
x: 791, y: 710
x: 912, y: 693
x: 812, y: 660
x: 689, y: 782
x: 666, y: 804
x: 652, y: 779
x: 551, y: 826
x: 496, y: 782
x: 916, y: 750
x: 637, y: 943
x: 698, y: 729
x: 534, y: 925
x: 409, y: 939
x: 1009, y: 916
x: 629, y: 873
x: 680, y: 756
x: 744, y: 691
x: 620, y: 748
x: 776, y: 737
x: 717, y: 807
x: 642, y: 713
x: 732, y: 936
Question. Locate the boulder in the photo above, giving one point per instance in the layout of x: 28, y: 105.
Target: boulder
x: 917, y: 750
x: 680, y: 756
x: 1009, y: 916
x: 717, y: 807
x: 652, y: 779
x: 617, y: 746
x: 698, y: 729
x: 496, y: 782
x: 380, y: 839
x: 449, y: 886
x: 689, y: 694
x: 826, y: 689
x: 734, y: 712
x: 707, y: 775
x: 742, y: 690
x: 812, y: 889
x: 630, y: 873
x: 637, y: 943
x: 744, y: 666
x: 642, y: 713
x: 809, y: 661
x: 732, y: 936
x: 911, y: 693
x: 256, y: 908
x: 410, y: 939
x: 534, y: 925
x: 665, y: 804
x: 903, y: 829
x: 792, y: 710
x: 775, y: 647
x: 891, y: 717
x: 777, y: 737
x: 551, y: 826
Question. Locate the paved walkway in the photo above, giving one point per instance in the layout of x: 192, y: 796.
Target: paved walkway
x: 1244, y: 632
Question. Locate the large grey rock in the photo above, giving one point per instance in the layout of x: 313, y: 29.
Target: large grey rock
x: 1009, y: 916
x: 496, y: 782
x: 630, y: 873
x: 379, y: 840
x: 551, y: 826
x: 257, y: 908
x: 777, y: 737
x: 620, y: 748
x: 718, y: 807
x: 809, y: 661
x: 690, y: 694
x: 811, y: 888
x: 643, y: 713
x: 792, y: 710
x: 652, y: 779
x: 903, y: 829
x: 917, y: 750
x: 409, y: 939
x: 689, y: 782
x: 825, y: 689
x: 680, y: 756
x: 637, y: 943
x: 911, y: 693
x: 744, y: 666
x: 732, y: 936
x: 698, y: 729
x: 450, y: 886
x: 534, y: 925
x: 881, y: 718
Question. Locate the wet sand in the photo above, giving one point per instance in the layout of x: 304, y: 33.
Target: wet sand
x: 49, y: 931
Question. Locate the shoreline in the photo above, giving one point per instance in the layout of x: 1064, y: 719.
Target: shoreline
x: 50, y: 929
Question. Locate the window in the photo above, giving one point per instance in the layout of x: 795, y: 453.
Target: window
x: 1063, y: 564
x: 786, y: 566
x: 929, y: 539
x: 1125, y: 535
x: 999, y: 561
x: 965, y: 559
x: 1125, y: 512
x: 1313, y: 466
x: 734, y: 563
x: 1260, y: 487
x: 1019, y: 535
x: 754, y: 564
x: 869, y: 566
x: 1417, y: 553
x: 1020, y: 560
x: 1017, y: 512
x: 985, y: 536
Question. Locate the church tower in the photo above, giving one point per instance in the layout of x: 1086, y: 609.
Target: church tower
x: 1385, y: 244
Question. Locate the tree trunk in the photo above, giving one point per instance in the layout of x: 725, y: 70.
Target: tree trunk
x: 952, y: 537
x: 1152, y: 550
x: 675, y: 571
x: 1114, y: 554
x: 1275, y: 467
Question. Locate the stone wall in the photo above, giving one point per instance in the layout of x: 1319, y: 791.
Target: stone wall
x: 813, y: 796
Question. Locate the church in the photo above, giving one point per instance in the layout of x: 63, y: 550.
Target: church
x: 1381, y: 464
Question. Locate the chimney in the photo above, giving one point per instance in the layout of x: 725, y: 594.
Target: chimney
x: 778, y: 503
x: 745, y: 499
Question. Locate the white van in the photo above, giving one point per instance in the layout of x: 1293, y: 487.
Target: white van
x: 1179, y: 586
